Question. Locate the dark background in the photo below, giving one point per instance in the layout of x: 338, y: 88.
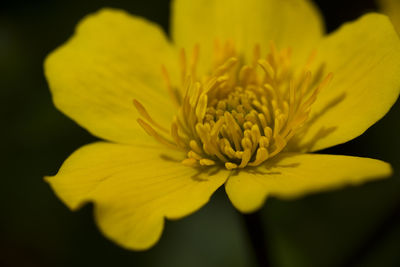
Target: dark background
x: 354, y: 225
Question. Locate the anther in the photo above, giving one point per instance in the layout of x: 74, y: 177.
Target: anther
x: 207, y: 162
x: 237, y: 116
x: 230, y: 165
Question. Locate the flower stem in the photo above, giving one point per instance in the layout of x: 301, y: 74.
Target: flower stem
x: 256, y: 233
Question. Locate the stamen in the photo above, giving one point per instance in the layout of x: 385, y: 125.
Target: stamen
x: 183, y: 65
x: 175, y: 135
x: 262, y: 155
x: 225, y: 67
x: 195, y: 58
x: 230, y: 165
x: 267, y: 68
x: 239, y: 114
x: 256, y: 54
x: 150, y: 131
x: 201, y: 107
x: 207, y: 162
x: 142, y: 111
x: 172, y: 93
x: 193, y: 145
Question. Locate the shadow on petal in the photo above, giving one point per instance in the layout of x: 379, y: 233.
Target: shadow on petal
x: 296, y: 142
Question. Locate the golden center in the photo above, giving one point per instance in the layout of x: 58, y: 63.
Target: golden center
x: 240, y: 114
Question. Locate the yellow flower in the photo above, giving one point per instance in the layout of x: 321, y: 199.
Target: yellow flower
x: 239, y: 97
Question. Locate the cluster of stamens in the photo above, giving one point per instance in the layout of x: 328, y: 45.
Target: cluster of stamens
x: 240, y: 114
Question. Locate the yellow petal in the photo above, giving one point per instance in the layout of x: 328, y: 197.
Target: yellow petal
x: 133, y: 189
x: 294, y: 23
x: 292, y: 175
x: 364, y: 57
x: 392, y: 9
x: 111, y: 59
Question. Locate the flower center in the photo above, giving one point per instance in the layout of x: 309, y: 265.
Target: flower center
x: 240, y: 114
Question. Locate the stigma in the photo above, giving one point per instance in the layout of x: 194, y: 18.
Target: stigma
x: 240, y: 113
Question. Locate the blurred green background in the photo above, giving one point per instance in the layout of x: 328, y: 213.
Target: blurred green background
x: 355, y: 225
